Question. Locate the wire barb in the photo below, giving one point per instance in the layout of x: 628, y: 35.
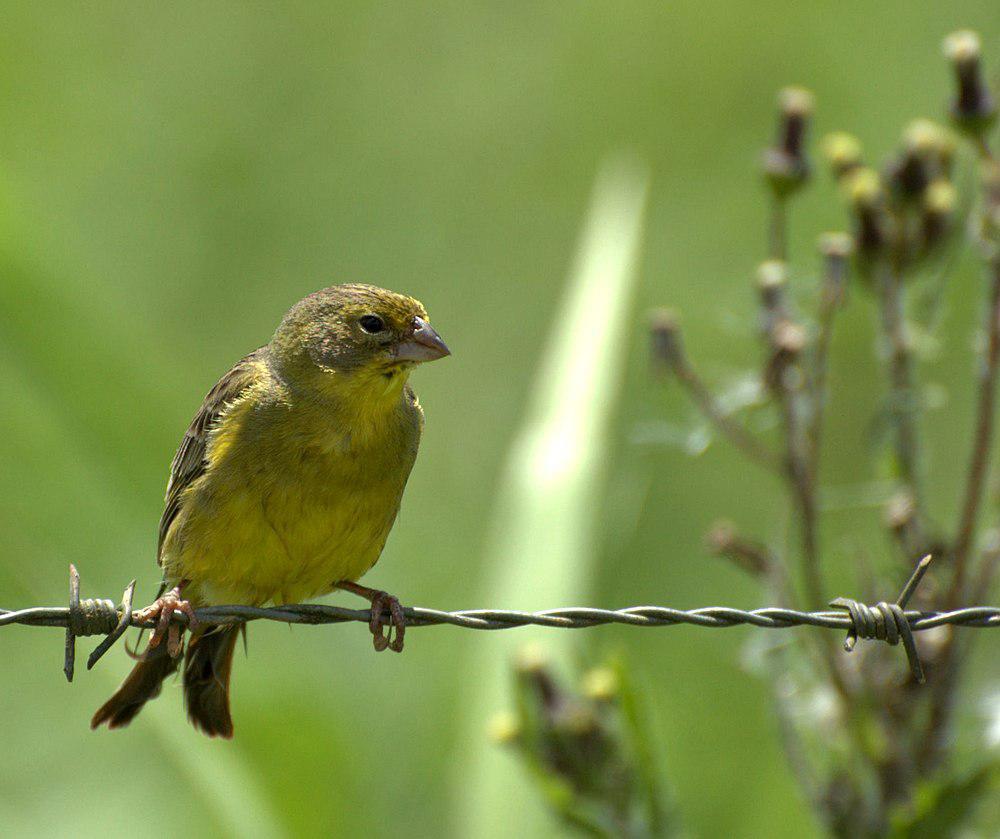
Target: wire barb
x: 93, y: 617
x: 887, y: 621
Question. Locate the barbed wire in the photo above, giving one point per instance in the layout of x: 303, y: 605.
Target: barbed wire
x: 884, y: 622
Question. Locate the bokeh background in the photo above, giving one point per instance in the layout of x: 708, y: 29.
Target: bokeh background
x: 174, y: 176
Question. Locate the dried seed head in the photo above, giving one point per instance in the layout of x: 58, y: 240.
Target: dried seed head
x: 973, y: 108
x: 665, y: 334
x: 962, y: 47
x: 789, y: 337
x: 864, y: 187
x: 927, y: 153
x: 796, y: 101
x: 926, y: 137
x: 504, y: 728
x: 836, y: 249
x: 835, y: 245
x: 577, y: 720
x: 899, y: 511
x: 723, y: 540
x: 721, y: 537
x: 866, y: 195
x: 772, y: 275
x: 785, y: 163
x: 940, y: 199
x: 531, y: 658
x: 600, y: 684
x: 772, y: 279
x: 843, y: 152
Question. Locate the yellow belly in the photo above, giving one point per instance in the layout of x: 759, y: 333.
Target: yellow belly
x: 281, y: 518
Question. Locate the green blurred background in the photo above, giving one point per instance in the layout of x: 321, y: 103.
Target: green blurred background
x: 174, y: 176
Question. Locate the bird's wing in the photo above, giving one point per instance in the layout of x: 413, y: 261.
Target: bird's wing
x: 189, y: 463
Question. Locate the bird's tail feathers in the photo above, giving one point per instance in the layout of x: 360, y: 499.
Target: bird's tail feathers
x: 141, y: 685
x: 207, y: 666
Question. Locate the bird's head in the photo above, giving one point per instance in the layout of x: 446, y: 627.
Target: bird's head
x: 354, y: 336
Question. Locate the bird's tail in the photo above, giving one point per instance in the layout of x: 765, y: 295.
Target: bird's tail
x: 141, y: 685
x: 207, y: 665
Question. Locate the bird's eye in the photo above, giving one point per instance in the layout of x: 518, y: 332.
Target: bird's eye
x: 372, y: 324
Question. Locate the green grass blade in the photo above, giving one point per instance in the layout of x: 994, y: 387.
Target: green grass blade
x: 542, y: 549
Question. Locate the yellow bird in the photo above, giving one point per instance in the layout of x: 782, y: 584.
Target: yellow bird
x: 285, y: 486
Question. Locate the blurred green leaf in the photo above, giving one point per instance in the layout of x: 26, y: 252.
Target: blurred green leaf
x: 944, y: 808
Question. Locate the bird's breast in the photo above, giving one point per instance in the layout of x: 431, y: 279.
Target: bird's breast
x: 281, y: 516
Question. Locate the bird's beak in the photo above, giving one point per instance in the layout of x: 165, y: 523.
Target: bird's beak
x: 423, y: 345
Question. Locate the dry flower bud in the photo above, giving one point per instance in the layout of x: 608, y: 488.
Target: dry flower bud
x: 600, y: 684
x: 926, y: 137
x: 940, y: 199
x: 576, y: 719
x: 772, y: 276
x: 973, y: 108
x: 864, y: 191
x: 836, y: 248
x: 836, y: 245
x: 785, y: 164
x: 796, y: 101
x: 772, y: 279
x: 723, y: 540
x: 843, y: 152
x: 899, y: 511
x: 531, y: 658
x: 962, y: 47
x: 504, y: 728
x: 722, y: 537
x: 864, y: 187
x: 789, y: 337
x: 927, y: 153
x: 665, y: 333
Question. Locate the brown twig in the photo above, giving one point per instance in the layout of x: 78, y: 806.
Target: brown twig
x: 668, y: 348
x: 835, y: 248
x: 902, y: 398
x: 777, y: 231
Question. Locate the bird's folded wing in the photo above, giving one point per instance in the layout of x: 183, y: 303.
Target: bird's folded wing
x: 189, y: 463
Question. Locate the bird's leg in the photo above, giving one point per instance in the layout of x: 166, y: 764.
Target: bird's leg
x: 380, y: 600
x: 162, y: 610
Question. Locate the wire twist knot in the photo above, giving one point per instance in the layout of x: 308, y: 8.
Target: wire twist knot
x: 886, y: 621
x: 96, y: 616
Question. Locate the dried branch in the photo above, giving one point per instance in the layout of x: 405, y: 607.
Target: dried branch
x: 668, y: 349
x: 836, y: 248
x: 902, y: 396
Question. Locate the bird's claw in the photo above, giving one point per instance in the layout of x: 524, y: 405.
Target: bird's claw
x: 381, y: 601
x: 162, y: 610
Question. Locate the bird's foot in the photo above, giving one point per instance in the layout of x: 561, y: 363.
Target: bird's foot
x: 382, y: 602
x: 162, y: 610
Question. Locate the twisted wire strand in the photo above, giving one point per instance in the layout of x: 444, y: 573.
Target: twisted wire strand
x: 888, y: 622
x: 574, y: 617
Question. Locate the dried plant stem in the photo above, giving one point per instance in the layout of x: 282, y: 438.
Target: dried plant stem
x: 830, y: 302
x: 790, y: 737
x: 981, y: 441
x: 788, y: 383
x: 801, y: 486
x: 989, y: 565
x: 902, y: 396
x: 725, y: 424
x: 777, y: 232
